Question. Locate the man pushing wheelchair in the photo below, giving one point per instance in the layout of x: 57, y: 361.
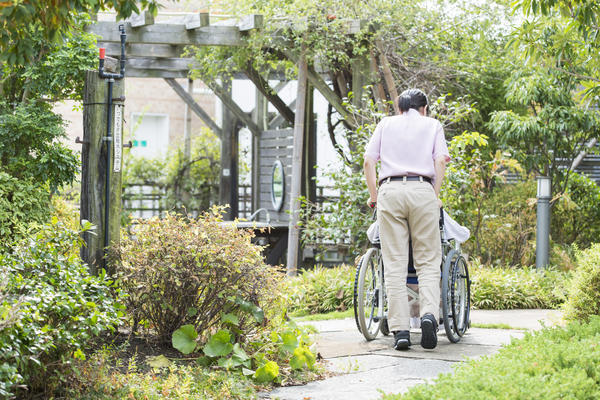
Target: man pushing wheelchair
x: 413, y: 153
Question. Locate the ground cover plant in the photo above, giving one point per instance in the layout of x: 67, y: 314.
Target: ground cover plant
x: 50, y: 310
x: 554, y: 363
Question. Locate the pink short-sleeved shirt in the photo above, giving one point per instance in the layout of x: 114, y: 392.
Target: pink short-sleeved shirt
x: 407, y: 144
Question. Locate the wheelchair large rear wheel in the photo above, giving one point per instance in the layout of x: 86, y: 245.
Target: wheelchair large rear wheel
x: 456, y: 296
x: 369, y: 295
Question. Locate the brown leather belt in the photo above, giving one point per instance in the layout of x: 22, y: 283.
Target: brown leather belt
x: 405, y: 178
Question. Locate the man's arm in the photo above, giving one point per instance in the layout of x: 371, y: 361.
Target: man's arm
x: 440, y: 171
x: 371, y: 176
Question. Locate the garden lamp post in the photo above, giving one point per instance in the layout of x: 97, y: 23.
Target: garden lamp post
x: 542, y: 242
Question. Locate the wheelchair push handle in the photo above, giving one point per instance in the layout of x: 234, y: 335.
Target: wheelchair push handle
x: 441, y: 217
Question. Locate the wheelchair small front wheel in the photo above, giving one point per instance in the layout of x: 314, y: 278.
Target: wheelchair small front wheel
x: 456, y: 296
x: 369, y: 296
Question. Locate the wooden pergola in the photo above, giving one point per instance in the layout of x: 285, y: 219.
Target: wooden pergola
x: 154, y: 50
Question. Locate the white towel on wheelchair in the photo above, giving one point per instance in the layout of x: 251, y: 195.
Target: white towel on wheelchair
x: 452, y: 230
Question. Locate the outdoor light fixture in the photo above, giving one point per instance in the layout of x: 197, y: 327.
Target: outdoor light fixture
x: 542, y: 242
x: 544, y: 187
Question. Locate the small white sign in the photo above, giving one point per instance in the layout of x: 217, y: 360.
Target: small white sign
x: 226, y: 172
x: 118, y: 137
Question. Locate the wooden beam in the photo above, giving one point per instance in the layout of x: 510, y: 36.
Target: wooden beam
x: 278, y: 120
x: 387, y: 74
x: 169, y: 64
x: 143, y: 19
x: 195, y: 21
x: 296, y: 186
x: 142, y: 50
x: 173, y: 34
x: 250, y: 22
x: 269, y: 93
x: 228, y: 188
x: 228, y: 102
x: 323, y: 88
x: 189, y: 100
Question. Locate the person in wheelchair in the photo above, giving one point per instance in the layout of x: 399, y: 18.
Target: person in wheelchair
x: 413, y: 153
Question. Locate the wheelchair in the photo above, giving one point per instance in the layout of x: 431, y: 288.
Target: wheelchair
x: 370, y: 300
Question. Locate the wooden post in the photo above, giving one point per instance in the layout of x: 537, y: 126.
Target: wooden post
x: 294, y: 230
x: 187, y: 133
x: 93, y: 168
x: 260, y: 114
x: 228, y: 189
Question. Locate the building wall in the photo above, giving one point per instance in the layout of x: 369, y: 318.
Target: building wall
x: 145, y: 96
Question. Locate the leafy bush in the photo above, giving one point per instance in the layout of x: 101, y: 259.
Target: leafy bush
x: 555, y: 363
x: 576, y: 214
x: 583, y: 298
x: 322, y: 290
x: 23, y: 205
x: 507, y: 230
x: 517, y: 288
x: 178, y: 272
x: 50, y: 308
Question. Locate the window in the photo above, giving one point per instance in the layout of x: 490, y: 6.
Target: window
x: 149, y: 134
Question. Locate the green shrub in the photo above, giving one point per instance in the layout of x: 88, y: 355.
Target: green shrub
x: 583, y: 298
x: 178, y: 271
x: 50, y: 308
x: 555, y: 363
x: 23, y: 205
x: 516, y: 288
x: 506, y: 231
x: 322, y: 290
x: 576, y: 214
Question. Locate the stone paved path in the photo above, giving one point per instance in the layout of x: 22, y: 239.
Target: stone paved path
x: 367, y: 369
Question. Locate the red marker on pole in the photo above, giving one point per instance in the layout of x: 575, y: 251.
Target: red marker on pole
x: 102, y: 53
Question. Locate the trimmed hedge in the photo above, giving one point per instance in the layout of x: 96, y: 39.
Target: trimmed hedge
x: 555, y: 363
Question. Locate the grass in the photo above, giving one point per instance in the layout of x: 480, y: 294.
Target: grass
x: 495, y: 326
x: 303, y: 316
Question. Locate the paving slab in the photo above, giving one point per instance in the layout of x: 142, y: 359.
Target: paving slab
x: 367, y: 368
x: 375, y: 375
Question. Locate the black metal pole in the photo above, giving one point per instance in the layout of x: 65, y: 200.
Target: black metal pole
x: 108, y: 139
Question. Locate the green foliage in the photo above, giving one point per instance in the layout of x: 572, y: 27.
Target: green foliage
x: 287, y: 344
x: 23, y: 205
x: 583, y: 298
x: 178, y: 272
x: 322, y: 290
x: 576, y: 214
x: 547, y: 127
x: 554, y: 363
x: 506, y: 234
x: 103, y: 377
x: 50, y: 309
x: 189, y: 185
x: 27, y: 23
x: 470, y: 177
x: 512, y: 288
x: 30, y: 147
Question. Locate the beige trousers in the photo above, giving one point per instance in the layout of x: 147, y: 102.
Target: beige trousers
x: 409, y: 209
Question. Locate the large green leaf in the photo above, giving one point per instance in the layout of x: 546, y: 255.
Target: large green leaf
x: 290, y: 341
x: 252, y: 309
x: 184, y: 339
x: 267, y: 372
x: 231, y: 319
x: 302, y: 356
x: 219, y: 344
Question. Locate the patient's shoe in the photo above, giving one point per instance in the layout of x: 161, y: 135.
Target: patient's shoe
x: 429, y: 329
x: 401, y: 340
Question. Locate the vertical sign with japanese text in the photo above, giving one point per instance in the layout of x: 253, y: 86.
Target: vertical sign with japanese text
x: 118, y: 137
